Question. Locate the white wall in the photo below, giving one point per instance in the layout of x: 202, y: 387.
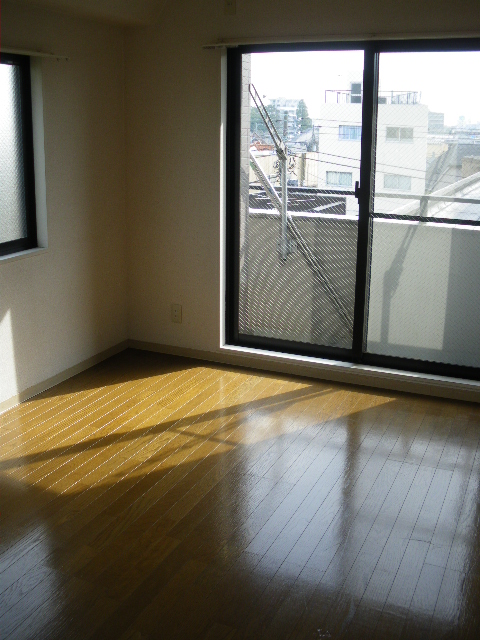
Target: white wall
x: 173, y: 142
x: 64, y: 305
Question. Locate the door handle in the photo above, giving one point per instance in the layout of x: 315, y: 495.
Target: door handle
x: 357, y: 190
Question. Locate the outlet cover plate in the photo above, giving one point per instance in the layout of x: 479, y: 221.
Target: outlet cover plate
x: 176, y: 312
x: 230, y: 7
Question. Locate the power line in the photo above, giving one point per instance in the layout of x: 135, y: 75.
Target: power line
x: 383, y: 164
x: 348, y: 166
x: 388, y: 124
x: 357, y: 160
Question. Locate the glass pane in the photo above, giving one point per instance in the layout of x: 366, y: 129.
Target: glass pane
x: 300, y: 133
x: 424, y: 275
x: 424, y: 292
x: 428, y: 135
x: 12, y: 182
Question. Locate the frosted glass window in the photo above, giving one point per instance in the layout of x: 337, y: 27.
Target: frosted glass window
x: 12, y: 180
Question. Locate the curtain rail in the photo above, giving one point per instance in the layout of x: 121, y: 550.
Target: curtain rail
x: 32, y: 53
x: 228, y: 43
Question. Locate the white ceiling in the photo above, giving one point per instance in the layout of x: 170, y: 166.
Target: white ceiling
x: 129, y: 12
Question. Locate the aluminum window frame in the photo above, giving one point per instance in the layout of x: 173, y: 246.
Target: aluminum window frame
x: 30, y: 240
x: 358, y: 355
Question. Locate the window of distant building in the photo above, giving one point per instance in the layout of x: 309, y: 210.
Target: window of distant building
x: 399, y: 134
x: 349, y: 132
x: 339, y: 179
x: 17, y: 184
x: 394, y: 181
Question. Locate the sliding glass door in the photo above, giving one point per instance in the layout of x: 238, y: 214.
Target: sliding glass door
x: 354, y: 202
x: 300, y: 146
x: 424, y: 279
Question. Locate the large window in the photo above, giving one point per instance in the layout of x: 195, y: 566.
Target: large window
x: 387, y: 272
x: 17, y: 189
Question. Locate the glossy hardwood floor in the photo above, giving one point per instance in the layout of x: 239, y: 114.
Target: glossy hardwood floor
x: 156, y: 497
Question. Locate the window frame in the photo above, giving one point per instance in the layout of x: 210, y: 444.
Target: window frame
x: 357, y: 355
x: 30, y: 240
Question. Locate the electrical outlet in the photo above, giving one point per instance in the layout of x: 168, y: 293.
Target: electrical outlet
x: 177, y: 313
x: 230, y: 7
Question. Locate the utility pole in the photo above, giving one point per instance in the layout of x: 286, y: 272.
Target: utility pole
x: 303, y: 162
x: 284, y: 182
x: 282, y: 155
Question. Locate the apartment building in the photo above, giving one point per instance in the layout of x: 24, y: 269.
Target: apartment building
x: 401, y: 145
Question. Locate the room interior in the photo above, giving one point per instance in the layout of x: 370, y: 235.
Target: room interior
x: 134, y: 144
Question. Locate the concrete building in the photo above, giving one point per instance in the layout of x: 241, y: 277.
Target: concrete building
x: 401, y: 149
x: 287, y: 110
x: 436, y: 122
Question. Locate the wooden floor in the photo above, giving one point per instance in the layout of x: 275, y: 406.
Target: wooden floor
x: 156, y: 497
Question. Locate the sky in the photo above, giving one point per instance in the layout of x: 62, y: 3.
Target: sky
x: 448, y: 81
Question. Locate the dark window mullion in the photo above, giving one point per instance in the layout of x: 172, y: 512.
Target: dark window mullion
x: 367, y: 166
x: 234, y: 79
x: 28, y: 158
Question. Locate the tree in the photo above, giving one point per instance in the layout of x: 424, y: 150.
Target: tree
x: 302, y: 117
x: 257, y: 125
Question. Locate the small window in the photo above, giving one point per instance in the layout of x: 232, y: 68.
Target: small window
x: 17, y: 188
x: 399, y: 134
x: 394, y: 181
x: 339, y: 179
x: 348, y: 132
x: 406, y: 134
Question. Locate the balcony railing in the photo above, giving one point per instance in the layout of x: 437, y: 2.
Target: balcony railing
x: 345, y: 96
x: 340, y: 96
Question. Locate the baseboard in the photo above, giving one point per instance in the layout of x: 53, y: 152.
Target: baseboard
x: 334, y: 371
x: 62, y: 376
